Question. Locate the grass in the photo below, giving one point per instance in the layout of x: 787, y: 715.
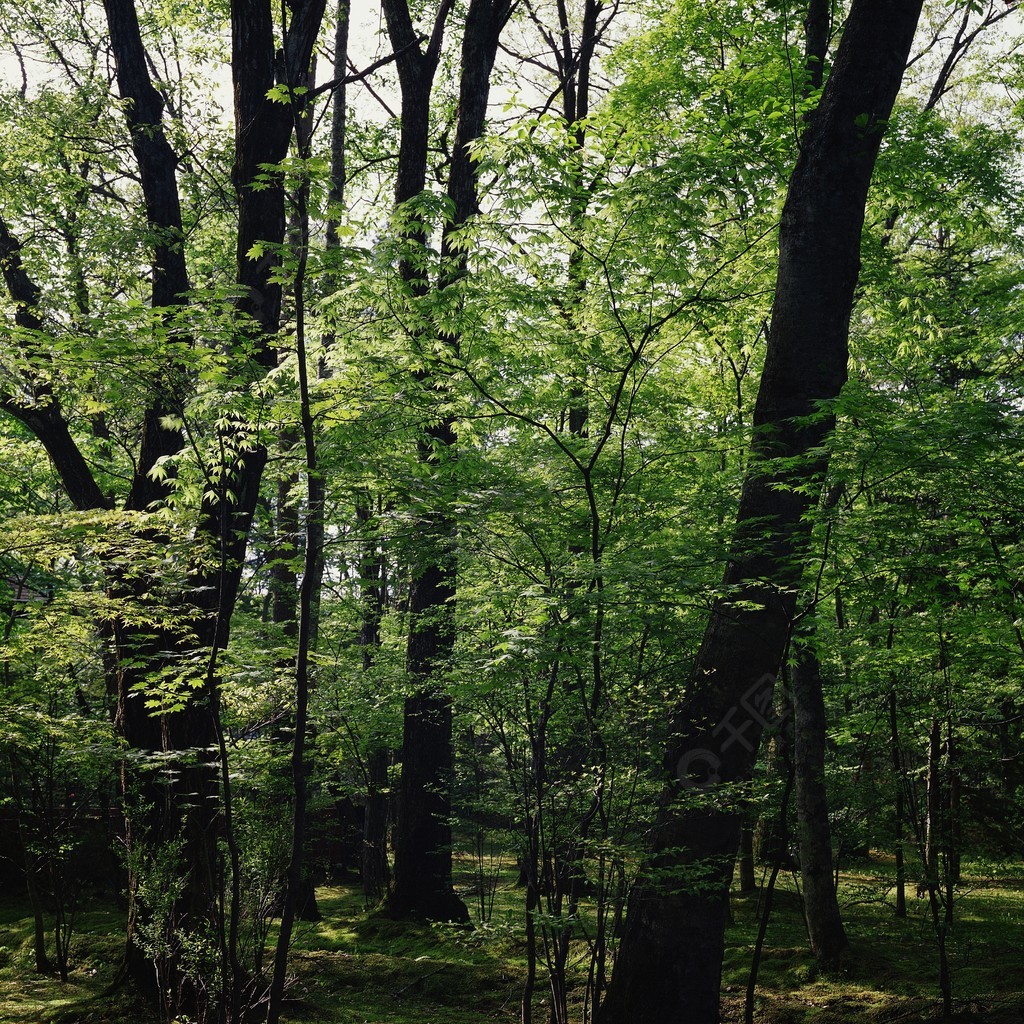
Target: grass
x: 358, y: 968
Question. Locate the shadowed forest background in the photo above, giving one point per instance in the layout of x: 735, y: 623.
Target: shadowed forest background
x: 512, y: 510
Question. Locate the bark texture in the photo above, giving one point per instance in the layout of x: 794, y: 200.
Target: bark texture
x: 669, y: 966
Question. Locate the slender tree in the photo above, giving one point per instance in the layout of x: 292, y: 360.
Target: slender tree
x: 821, y: 905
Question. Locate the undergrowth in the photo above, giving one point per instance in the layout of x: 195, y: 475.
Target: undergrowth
x: 357, y: 967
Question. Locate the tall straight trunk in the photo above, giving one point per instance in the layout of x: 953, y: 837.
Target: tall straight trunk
x: 821, y: 905
x: 670, y: 959
x: 158, y: 163
x: 422, y: 884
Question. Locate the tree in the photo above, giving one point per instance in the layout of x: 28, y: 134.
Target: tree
x: 821, y: 906
x: 670, y: 959
x: 422, y: 874
x: 184, y: 723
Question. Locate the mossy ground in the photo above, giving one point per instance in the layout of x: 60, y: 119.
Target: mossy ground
x: 358, y: 968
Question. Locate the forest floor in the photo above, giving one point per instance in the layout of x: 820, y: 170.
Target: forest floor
x: 356, y: 968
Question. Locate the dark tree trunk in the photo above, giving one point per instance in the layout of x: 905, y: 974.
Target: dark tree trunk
x: 422, y: 883
x: 670, y: 959
x: 421, y: 886
x: 170, y: 286
x: 821, y: 906
x: 422, y: 871
x: 376, y: 873
x: 817, y: 28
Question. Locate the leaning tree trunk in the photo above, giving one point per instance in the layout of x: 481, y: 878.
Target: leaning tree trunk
x: 670, y: 959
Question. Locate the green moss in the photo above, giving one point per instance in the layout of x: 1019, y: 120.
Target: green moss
x: 891, y: 969
x: 358, y: 967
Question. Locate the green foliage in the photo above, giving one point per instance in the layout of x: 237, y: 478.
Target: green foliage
x: 595, y: 338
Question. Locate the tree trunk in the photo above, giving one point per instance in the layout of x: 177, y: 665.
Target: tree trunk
x: 375, y: 871
x: 422, y: 885
x: 748, y: 881
x: 670, y: 959
x: 821, y: 907
x: 933, y: 803
x: 899, y: 809
x: 955, y: 825
x: 422, y: 882
x: 422, y: 870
